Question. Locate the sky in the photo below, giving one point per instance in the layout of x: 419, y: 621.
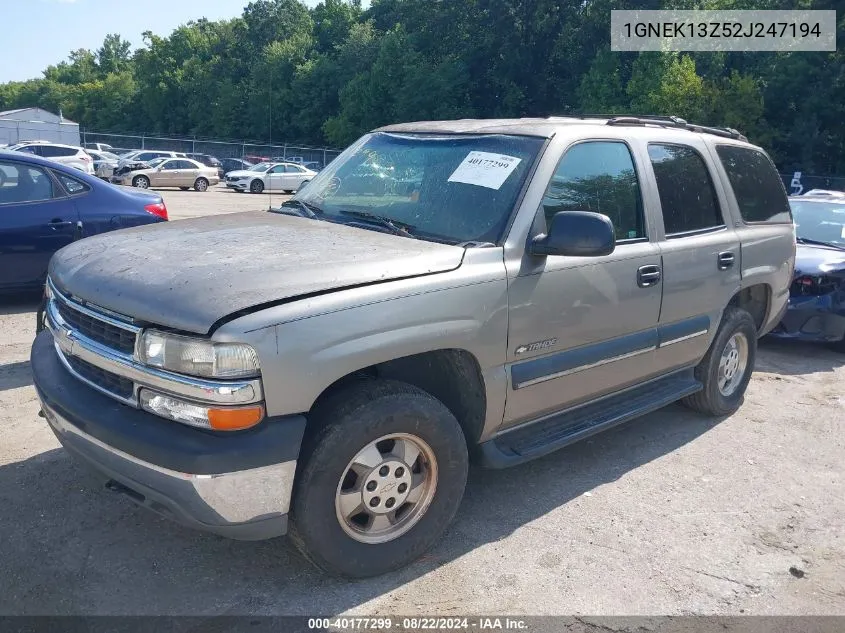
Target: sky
x: 37, y: 33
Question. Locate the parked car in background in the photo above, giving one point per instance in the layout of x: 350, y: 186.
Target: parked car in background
x: 816, y: 309
x: 235, y: 164
x: 145, y: 156
x: 104, y: 163
x: 183, y: 173
x: 287, y: 177
x: 99, y: 147
x: 209, y: 161
x: 45, y: 206
x: 69, y: 155
x: 255, y: 158
x: 313, y: 165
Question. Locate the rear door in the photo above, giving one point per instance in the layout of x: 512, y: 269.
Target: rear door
x: 699, y: 248
x: 37, y: 218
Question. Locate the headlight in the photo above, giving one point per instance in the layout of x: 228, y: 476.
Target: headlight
x: 198, y: 357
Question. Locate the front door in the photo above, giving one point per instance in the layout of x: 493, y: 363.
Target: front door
x: 275, y: 179
x: 167, y: 174
x: 582, y: 327
x: 36, y: 220
x: 700, y: 249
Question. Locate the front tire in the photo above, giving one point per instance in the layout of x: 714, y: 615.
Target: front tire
x: 201, y: 184
x: 727, y: 367
x: 256, y: 186
x: 141, y: 182
x: 383, y: 472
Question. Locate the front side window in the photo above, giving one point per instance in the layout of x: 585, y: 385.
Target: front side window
x: 756, y: 185
x: 23, y: 183
x: 447, y: 187
x: 598, y: 176
x: 686, y: 191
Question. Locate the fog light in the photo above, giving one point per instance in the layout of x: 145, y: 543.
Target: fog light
x: 199, y: 416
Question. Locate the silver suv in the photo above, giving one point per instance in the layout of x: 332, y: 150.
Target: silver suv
x: 496, y: 289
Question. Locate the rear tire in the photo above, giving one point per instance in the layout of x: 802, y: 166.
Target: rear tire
x: 727, y: 367
x: 201, y: 184
x: 302, y: 185
x: 256, y: 186
x: 142, y: 182
x: 382, y: 473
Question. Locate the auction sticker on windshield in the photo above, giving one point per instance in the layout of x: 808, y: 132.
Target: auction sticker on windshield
x: 485, y: 169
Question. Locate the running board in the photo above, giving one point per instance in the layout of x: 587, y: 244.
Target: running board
x: 535, y: 439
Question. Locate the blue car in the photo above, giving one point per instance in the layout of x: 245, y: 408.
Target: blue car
x: 816, y: 310
x: 45, y: 206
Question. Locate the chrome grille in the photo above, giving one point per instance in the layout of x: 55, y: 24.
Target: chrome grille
x: 117, y: 385
x: 98, y: 330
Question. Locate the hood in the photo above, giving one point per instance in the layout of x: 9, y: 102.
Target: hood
x: 811, y: 260
x: 240, y: 173
x: 188, y: 275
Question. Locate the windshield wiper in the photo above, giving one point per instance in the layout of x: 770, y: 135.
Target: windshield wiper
x: 299, y: 208
x: 807, y: 240
x: 394, y: 226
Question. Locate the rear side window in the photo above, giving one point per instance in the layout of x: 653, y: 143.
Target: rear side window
x: 757, y: 187
x: 51, y: 151
x: 72, y: 185
x: 598, y: 176
x: 686, y: 191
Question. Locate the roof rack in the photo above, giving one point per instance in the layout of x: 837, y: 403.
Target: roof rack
x: 663, y: 121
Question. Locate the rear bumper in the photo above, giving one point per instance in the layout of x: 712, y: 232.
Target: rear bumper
x: 237, y: 485
x: 819, y: 319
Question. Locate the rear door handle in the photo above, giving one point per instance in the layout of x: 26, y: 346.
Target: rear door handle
x: 726, y: 260
x: 57, y: 223
x: 648, y: 275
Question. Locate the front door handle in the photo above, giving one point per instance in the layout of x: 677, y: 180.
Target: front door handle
x: 726, y: 260
x: 648, y: 275
x: 58, y: 223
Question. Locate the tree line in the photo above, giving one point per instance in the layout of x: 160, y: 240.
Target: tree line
x: 325, y: 75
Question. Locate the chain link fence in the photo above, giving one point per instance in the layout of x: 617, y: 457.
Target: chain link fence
x: 798, y: 183
x: 253, y: 152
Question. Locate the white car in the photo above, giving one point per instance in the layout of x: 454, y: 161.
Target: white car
x: 287, y: 177
x: 104, y: 163
x: 69, y: 155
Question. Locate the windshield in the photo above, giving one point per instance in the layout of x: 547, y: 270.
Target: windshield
x: 261, y: 167
x: 822, y: 221
x: 453, y: 188
x: 156, y: 162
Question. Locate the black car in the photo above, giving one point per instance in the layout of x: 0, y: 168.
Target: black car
x: 816, y: 309
x: 235, y: 164
x: 209, y: 161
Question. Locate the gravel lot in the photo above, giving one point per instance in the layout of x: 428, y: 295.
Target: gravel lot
x: 673, y: 513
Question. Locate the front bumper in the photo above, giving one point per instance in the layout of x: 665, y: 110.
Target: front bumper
x: 241, y: 185
x: 820, y: 318
x: 237, y: 485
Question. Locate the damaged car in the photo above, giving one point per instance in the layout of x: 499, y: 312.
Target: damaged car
x: 816, y: 310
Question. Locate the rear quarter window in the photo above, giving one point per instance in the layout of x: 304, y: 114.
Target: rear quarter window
x: 756, y: 184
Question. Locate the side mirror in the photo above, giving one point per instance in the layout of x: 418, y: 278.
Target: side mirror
x: 577, y: 234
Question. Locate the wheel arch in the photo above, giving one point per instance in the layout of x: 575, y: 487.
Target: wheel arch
x: 756, y: 300
x: 452, y: 375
